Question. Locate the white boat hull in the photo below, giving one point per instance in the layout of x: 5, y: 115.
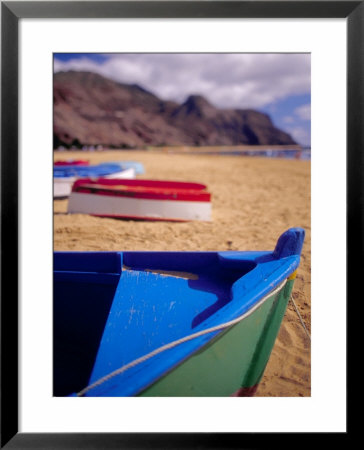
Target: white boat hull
x: 138, y: 208
x: 62, y: 187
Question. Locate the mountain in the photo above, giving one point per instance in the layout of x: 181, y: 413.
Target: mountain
x: 90, y: 109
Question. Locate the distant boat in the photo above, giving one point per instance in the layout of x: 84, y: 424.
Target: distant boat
x: 141, y: 199
x: 72, y: 162
x: 169, y: 323
x: 137, y: 166
x: 65, y: 176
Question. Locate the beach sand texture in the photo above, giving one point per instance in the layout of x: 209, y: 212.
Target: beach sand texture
x: 254, y: 200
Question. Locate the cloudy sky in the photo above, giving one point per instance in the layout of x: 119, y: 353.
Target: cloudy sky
x: 278, y: 84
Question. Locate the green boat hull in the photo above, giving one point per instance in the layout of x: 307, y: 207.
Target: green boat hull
x: 233, y: 363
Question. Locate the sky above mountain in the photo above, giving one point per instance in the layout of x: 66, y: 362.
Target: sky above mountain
x: 278, y: 84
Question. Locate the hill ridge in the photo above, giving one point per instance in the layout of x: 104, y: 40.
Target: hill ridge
x: 90, y: 109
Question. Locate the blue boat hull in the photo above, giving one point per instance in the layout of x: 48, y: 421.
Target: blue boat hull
x: 149, y: 313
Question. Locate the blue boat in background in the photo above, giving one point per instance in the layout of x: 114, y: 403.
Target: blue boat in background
x: 169, y: 323
x: 137, y: 166
x: 65, y: 176
x: 99, y: 170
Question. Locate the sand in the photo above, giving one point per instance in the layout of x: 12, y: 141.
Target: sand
x: 254, y: 200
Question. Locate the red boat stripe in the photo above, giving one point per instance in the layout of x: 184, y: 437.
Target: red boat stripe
x: 143, y: 189
x: 78, y: 162
x: 141, y: 183
x: 192, y: 196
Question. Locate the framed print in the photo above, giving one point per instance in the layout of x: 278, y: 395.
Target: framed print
x: 42, y: 42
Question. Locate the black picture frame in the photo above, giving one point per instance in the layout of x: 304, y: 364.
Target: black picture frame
x: 11, y: 12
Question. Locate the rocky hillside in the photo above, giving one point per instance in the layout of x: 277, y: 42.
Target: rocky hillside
x: 92, y: 110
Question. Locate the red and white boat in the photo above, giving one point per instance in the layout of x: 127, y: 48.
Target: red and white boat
x: 141, y: 199
x: 72, y: 162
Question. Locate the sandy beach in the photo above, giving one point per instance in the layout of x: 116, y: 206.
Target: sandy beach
x: 254, y: 200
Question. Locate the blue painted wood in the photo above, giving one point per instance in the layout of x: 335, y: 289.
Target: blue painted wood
x: 135, y: 309
x: 137, y: 166
x: 78, y: 262
x: 85, y: 171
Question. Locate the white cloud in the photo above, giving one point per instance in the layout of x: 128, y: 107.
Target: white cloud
x: 227, y: 80
x: 303, y: 112
x: 300, y: 134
